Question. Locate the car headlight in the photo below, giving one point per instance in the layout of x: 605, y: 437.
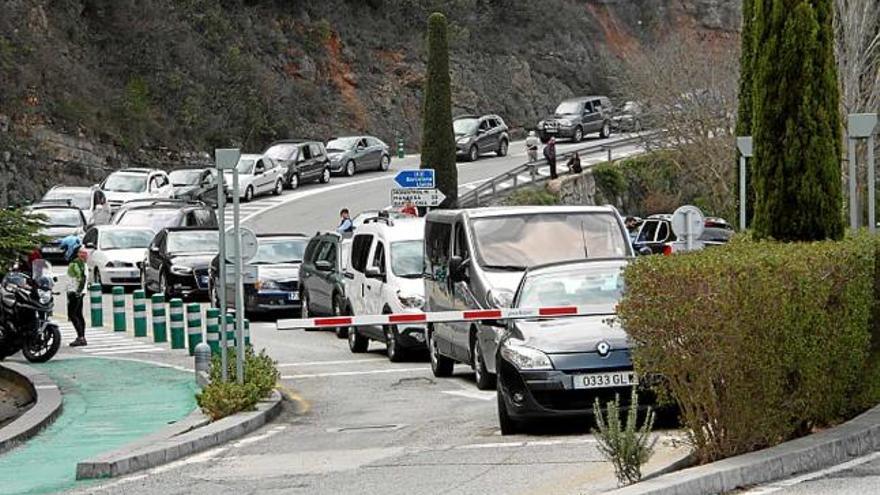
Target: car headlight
x: 181, y: 270
x: 411, y: 300
x: 118, y: 264
x: 463, y: 140
x: 564, y: 122
x: 499, y: 298
x: 524, y: 357
x: 44, y: 295
x: 266, y: 285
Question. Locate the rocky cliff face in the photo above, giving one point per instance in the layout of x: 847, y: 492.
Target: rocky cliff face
x: 91, y: 85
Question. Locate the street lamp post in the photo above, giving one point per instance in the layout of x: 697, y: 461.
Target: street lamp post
x: 744, y: 145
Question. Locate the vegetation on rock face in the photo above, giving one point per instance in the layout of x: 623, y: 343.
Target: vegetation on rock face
x: 19, y: 235
x: 796, y: 122
x: 438, y: 138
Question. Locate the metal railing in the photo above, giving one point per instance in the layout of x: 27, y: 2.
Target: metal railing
x: 530, y: 173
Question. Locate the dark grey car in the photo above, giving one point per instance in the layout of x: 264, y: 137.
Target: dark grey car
x: 195, y: 184
x: 351, y: 154
x: 301, y: 160
x: 576, y: 117
x: 475, y: 135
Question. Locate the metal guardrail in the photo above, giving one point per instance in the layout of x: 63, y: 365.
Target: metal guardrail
x: 515, y: 178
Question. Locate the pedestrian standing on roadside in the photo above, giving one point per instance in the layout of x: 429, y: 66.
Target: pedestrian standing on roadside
x: 346, y: 226
x: 550, y: 155
x: 532, y: 143
x: 76, y: 286
x: 102, y: 213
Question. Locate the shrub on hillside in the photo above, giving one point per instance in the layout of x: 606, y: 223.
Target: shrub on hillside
x: 758, y: 342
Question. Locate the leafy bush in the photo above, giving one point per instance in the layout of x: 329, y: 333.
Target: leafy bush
x: 531, y: 197
x: 758, y: 342
x: 220, y: 399
x: 19, y: 235
x: 628, y: 446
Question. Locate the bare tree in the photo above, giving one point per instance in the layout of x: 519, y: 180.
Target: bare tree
x: 857, y: 29
x: 687, y: 88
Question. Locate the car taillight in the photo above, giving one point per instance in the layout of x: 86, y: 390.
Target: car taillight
x: 667, y: 250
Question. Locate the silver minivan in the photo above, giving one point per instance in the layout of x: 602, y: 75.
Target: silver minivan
x: 475, y: 258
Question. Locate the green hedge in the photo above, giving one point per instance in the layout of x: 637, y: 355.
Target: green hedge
x: 757, y: 342
x: 220, y: 399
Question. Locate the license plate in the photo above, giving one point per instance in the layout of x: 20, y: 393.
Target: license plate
x: 51, y: 250
x: 292, y: 296
x: 606, y: 380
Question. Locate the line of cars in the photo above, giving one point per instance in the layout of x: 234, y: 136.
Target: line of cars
x: 454, y: 260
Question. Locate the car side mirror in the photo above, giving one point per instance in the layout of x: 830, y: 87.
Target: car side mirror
x: 373, y: 272
x: 323, y: 266
x: 457, y: 269
x: 154, y: 249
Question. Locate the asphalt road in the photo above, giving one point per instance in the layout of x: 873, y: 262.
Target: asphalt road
x: 371, y: 426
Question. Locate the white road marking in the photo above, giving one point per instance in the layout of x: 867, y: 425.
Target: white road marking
x: 256, y: 438
x: 472, y: 394
x: 781, y: 485
x: 327, y: 363
x: 353, y: 373
x: 126, y: 351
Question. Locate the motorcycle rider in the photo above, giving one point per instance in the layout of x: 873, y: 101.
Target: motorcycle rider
x: 76, y: 288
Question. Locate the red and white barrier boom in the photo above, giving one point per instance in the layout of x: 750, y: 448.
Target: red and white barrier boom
x: 446, y: 316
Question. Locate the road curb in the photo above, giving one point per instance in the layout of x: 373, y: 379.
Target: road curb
x: 47, y: 407
x: 192, y: 435
x: 854, y: 438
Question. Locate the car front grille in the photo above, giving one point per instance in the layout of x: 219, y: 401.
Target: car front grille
x: 291, y: 286
x: 551, y: 125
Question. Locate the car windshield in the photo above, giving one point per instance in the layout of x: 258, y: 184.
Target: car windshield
x: 154, y: 219
x: 406, y: 258
x: 245, y: 166
x: 82, y: 199
x: 62, y: 217
x: 281, y: 151
x: 568, y: 107
x: 465, y: 126
x: 125, y: 239
x: 185, y: 177
x: 342, y: 144
x: 279, y: 251
x: 515, y: 242
x: 716, y: 234
x: 584, y: 284
x: 199, y: 241
x: 126, y: 183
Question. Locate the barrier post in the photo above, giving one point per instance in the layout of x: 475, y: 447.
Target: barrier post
x: 140, y: 313
x: 247, y: 333
x: 118, y: 309
x: 212, y: 330
x: 193, y: 326
x: 96, y: 305
x: 159, y: 325
x: 230, y: 330
x: 178, y: 332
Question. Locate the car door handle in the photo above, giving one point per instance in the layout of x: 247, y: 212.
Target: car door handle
x: 348, y: 275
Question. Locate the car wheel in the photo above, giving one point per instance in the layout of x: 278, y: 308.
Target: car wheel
x: 578, y: 135
x: 441, y: 366
x: 144, y: 286
x: 350, y: 168
x: 392, y: 347
x: 606, y: 130
x: 384, y: 163
x: 357, y: 343
x: 509, y: 426
x: 325, y: 176
x: 248, y: 194
x: 341, y: 332
x: 293, y: 182
x: 502, y: 148
x: 279, y: 187
x: 163, y: 286
x: 473, y: 153
x: 304, y: 312
x: 484, y: 379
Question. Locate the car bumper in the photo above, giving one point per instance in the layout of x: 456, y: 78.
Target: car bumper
x: 52, y: 252
x: 336, y: 167
x: 121, y: 276
x: 561, y: 131
x: 411, y: 336
x: 267, y: 301
x: 463, y: 148
x: 192, y: 285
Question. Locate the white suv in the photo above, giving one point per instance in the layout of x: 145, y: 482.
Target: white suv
x: 383, y: 274
x: 136, y: 183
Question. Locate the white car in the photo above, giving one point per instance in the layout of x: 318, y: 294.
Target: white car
x: 383, y: 274
x: 136, y: 183
x: 257, y: 174
x: 114, y: 252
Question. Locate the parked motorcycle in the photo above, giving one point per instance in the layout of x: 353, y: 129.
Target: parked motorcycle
x: 26, y: 304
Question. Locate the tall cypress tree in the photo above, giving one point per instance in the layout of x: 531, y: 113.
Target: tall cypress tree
x: 744, y: 114
x: 438, y: 138
x: 796, y: 122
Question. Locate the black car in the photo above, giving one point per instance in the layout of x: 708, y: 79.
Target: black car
x: 552, y: 368
x: 321, y: 278
x: 275, y: 286
x: 178, y: 261
x: 59, y: 222
x: 475, y: 135
x: 162, y: 213
x: 195, y: 184
x: 301, y: 160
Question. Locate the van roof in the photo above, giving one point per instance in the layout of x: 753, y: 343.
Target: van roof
x: 514, y: 210
x: 401, y: 229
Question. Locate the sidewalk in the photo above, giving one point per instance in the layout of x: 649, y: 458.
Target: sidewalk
x: 107, y: 404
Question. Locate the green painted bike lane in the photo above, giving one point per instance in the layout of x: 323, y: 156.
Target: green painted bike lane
x: 107, y: 404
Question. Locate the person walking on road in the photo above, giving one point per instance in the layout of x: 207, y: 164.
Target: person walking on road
x: 346, y: 226
x: 532, y: 143
x: 574, y: 164
x: 76, y: 286
x: 550, y: 155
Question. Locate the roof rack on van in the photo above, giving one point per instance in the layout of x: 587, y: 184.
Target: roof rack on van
x: 389, y: 222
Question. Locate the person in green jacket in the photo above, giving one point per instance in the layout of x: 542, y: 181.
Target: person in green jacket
x: 76, y: 288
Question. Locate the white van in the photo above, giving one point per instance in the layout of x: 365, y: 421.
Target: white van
x: 383, y: 275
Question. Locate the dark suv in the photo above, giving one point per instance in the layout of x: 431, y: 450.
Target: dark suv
x: 301, y: 160
x: 321, y: 278
x: 161, y: 213
x: 475, y: 135
x: 576, y: 117
x: 656, y: 233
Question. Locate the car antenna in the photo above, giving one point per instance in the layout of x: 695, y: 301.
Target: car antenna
x: 584, y: 240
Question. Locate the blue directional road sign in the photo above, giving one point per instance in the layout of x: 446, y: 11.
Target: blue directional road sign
x: 416, y: 179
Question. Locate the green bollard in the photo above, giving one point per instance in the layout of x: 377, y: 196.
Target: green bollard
x: 140, y: 313
x: 178, y: 332
x: 118, y: 309
x: 212, y: 330
x: 247, y: 333
x: 193, y: 326
x: 159, y: 325
x: 96, y: 305
x: 400, y: 147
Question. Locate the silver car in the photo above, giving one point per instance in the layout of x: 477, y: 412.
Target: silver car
x: 351, y: 154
